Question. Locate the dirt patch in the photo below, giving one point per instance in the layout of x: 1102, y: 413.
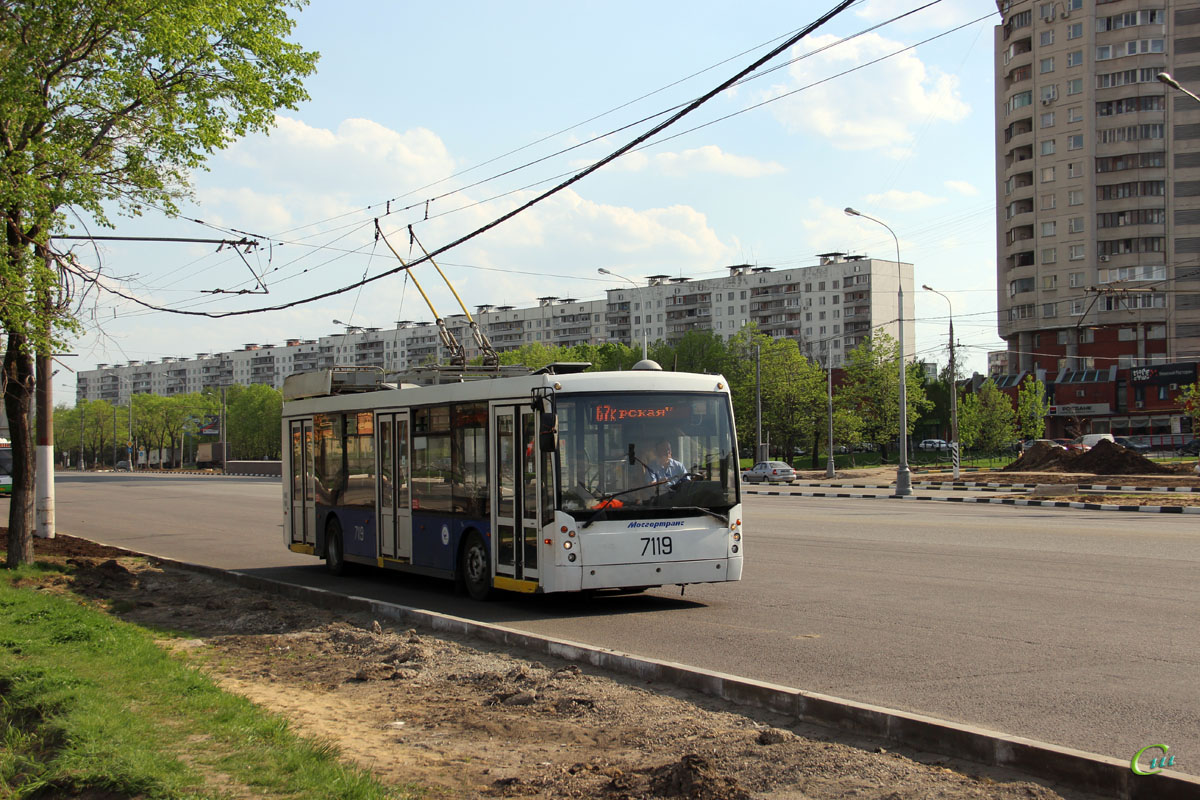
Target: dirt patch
x: 1106, y: 458
x: 471, y: 721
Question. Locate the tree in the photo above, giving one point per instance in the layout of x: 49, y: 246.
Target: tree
x: 113, y: 103
x: 254, y: 415
x: 986, y: 419
x: 1032, y: 408
x: 872, y: 390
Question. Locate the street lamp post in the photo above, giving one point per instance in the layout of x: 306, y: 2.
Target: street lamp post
x: 604, y: 271
x: 953, y: 384
x: 903, y: 478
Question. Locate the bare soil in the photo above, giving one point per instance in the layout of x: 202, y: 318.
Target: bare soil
x: 467, y: 720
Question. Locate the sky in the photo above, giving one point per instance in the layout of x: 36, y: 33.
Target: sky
x: 454, y: 102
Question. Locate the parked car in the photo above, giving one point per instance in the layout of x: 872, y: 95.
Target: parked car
x: 1132, y: 444
x: 1028, y: 443
x: 1064, y: 443
x: 933, y: 444
x: 122, y: 466
x: 1191, y: 448
x: 769, y: 472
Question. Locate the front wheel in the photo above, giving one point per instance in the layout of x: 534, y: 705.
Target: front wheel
x: 475, y: 567
x: 335, y: 561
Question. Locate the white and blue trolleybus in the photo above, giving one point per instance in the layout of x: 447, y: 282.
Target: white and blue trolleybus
x: 556, y: 481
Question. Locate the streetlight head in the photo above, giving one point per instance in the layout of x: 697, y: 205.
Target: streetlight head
x: 850, y: 212
x: 338, y: 322
x: 925, y: 286
x: 603, y: 271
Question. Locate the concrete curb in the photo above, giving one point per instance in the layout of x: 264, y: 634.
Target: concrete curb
x: 998, y: 501
x: 999, y: 487
x: 1064, y: 766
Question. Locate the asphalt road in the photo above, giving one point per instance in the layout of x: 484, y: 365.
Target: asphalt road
x: 1068, y: 626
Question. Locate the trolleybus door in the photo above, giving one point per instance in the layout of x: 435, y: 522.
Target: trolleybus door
x: 304, y: 512
x: 515, y: 492
x: 394, y: 501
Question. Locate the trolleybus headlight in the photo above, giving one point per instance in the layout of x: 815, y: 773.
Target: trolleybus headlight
x: 734, y: 548
x: 572, y: 533
x: 571, y: 557
x: 568, y: 545
x: 737, y: 536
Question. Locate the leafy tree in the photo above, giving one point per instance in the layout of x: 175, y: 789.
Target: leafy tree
x: 872, y: 390
x: 113, y: 103
x: 1032, y: 408
x: 986, y: 419
x: 1189, y: 401
x: 254, y: 415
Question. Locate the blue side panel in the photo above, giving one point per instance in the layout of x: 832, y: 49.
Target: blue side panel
x: 358, y: 529
x: 436, y: 536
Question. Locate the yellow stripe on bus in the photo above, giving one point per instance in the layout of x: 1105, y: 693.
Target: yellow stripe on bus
x: 514, y: 585
x: 307, y: 549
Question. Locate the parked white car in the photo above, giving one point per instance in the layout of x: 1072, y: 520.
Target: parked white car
x: 933, y: 444
x: 769, y: 472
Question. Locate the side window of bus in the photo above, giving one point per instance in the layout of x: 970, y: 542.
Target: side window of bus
x: 360, y: 460
x: 431, y: 461
x: 328, y: 451
x: 469, y: 459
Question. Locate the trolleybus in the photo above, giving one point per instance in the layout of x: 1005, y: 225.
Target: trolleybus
x: 556, y: 481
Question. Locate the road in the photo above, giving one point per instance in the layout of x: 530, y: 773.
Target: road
x: 1068, y: 626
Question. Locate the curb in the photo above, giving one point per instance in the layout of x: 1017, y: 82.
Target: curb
x: 999, y: 501
x: 1077, y: 769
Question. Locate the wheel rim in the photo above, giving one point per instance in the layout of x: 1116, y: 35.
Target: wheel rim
x: 475, y: 563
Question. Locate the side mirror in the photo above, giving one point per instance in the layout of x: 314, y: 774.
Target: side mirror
x: 548, y: 438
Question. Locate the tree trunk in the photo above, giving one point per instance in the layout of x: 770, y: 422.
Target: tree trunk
x: 18, y: 402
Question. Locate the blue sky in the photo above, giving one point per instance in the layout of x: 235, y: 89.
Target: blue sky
x: 406, y: 95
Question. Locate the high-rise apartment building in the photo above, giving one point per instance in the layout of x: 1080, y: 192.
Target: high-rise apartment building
x: 828, y: 308
x: 1098, y: 183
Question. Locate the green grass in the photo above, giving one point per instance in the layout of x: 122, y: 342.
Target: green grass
x: 88, y: 702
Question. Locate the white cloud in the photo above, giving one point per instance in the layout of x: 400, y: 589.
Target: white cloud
x: 708, y: 159
x: 962, y: 187
x: 903, y: 201
x: 876, y: 108
x: 941, y: 16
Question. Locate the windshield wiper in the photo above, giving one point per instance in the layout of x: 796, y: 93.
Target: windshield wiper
x: 603, y: 501
x: 722, y: 517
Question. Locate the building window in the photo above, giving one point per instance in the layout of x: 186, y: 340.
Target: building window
x: 1075, y: 30
x: 1075, y: 197
x: 1047, y: 202
x: 1075, y: 142
x: 1047, y: 147
x: 1075, y: 114
x: 1076, y: 280
x: 1048, y: 119
x: 1048, y: 228
x: 1049, y: 309
x: 1046, y: 65
x: 1049, y: 282
x: 1075, y: 59
x: 1075, y: 170
x: 1047, y: 174
x: 1075, y: 225
x: 1046, y: 38
x: 1049, y: 255
x: 1049, y: 92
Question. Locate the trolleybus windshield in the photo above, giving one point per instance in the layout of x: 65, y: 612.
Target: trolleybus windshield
x: 645, y: 451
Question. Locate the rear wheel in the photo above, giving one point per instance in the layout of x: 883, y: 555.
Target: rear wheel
x: 335, y: 560
x: 475, y: 567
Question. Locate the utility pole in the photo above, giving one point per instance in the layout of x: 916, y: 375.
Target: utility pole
x: 129, y: 447
x: 44, y: 489
x: 758, y: 442
x: 829, y: 468
x: 953, y: 403
x: 81, y: 421
x: 224, y: 432
x: 114, y: 437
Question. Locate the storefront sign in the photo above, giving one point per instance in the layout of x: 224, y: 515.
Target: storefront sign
x: 1164, y: 373
x: 1080, y: 410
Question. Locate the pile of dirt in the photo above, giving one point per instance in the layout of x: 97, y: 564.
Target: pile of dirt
x: 1106, y: 458
x: 1110, y: 458
x: 1042, y: 457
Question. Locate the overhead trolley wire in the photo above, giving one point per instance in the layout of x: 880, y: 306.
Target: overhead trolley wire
x: 695, y: 104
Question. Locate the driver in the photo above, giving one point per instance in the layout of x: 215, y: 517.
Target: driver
x: 663, y: 467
